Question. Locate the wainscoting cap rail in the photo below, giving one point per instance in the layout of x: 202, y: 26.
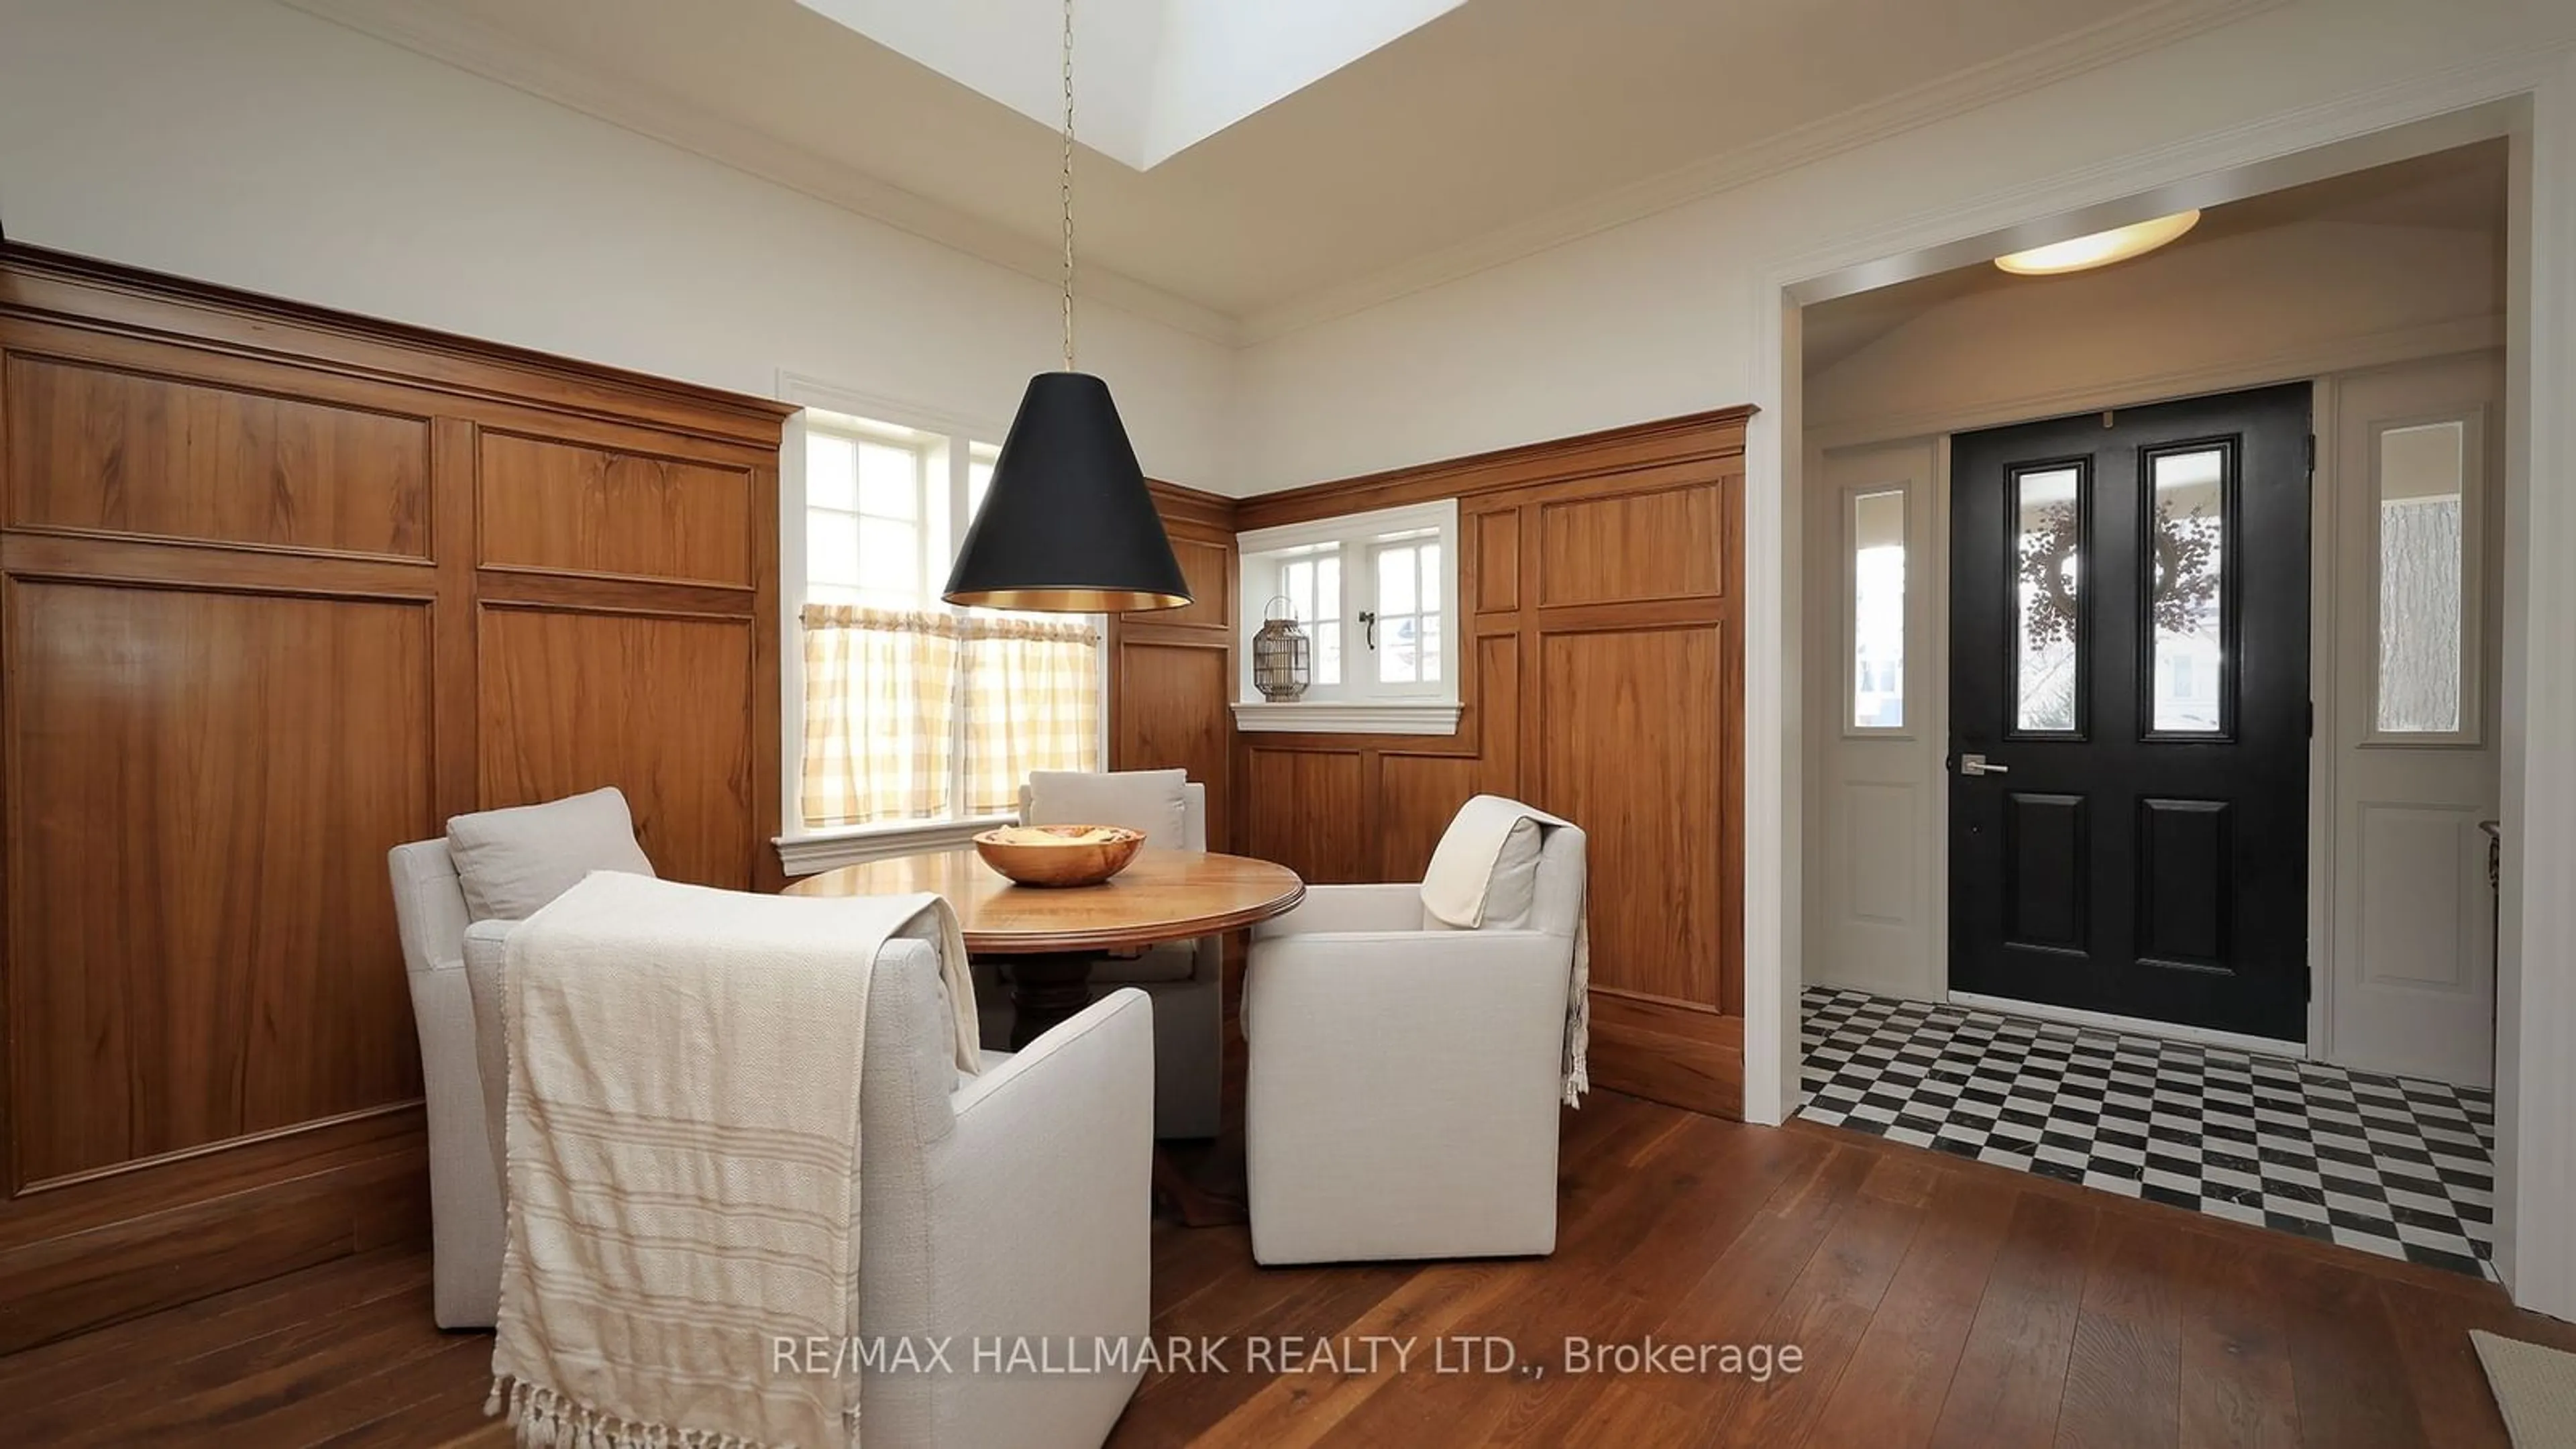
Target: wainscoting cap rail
x: 25, y: 270
x: 1716, y: 434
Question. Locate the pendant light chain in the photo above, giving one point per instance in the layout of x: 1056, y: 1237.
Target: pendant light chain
x: 1068, y: 185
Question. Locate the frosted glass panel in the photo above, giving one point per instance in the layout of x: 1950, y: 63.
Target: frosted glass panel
x: 2188, y: 604
x: 2048, y: 527
x: 2422, y: 578
x: 1878, y: 610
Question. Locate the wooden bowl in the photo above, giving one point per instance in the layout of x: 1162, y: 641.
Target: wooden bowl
x: 1059, y: 855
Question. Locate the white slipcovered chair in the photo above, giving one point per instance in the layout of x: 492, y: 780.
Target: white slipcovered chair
x: 1403, y: 1081
x: 1012, y: 1203
x: 1184, y: 977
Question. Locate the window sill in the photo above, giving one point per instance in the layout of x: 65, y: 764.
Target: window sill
x: 823, y: 850
x: 1341, y: 717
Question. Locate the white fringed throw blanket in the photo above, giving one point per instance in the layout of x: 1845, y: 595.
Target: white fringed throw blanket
x: 683, y: 1139
x: 1453, y: 889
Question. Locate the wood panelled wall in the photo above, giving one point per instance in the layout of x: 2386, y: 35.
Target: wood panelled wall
x: 280, y: 589
x: 1601, y: 676
x: 1172, y: 670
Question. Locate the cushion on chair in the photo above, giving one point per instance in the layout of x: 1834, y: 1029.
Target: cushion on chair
x: 1153, y: 801
x: 1511, y: 892
x: 510, y: 863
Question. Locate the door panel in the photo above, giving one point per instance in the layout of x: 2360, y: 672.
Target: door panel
x: 2416, y: 752
x: 2046, y: 854
x: 2129, y: 653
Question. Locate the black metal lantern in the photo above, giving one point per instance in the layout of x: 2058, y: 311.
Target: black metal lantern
x: 1283, y: 657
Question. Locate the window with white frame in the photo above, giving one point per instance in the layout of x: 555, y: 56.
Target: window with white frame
x: 1377, y: 596
x: 1875, y: 522
x: 1310, y: 590
x: 2425, y: 474
x: 1403, y: 631
x: 912, y: 710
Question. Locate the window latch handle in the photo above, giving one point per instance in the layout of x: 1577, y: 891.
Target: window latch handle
x: 1368, y: 624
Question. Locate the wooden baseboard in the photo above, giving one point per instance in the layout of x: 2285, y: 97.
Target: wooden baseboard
x: 365, y: 1195
x: 1670, y: 1054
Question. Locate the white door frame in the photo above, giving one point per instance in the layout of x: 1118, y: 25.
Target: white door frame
x: 2530, y: 97
x: 2324, y: 370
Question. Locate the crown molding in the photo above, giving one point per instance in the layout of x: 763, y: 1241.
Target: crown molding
x: 1714, y: 438
x: 649, y: 111
x: 1955, y: 94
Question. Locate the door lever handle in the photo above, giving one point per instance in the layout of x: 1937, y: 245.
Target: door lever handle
x: 1978, y: 765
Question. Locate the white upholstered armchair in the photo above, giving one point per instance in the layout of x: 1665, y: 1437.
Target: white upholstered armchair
x: 1404, y: 1076
x: 1012, y: 1203
x: 1183, y: 977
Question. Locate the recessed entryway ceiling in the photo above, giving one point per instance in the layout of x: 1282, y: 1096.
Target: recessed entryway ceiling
x: 1457, y: 129
x: 2461, y: 189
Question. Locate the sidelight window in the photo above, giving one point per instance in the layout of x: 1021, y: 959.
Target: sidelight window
x: 2424, y: 558
x: 2048, y: 622
x: 1877, y: 532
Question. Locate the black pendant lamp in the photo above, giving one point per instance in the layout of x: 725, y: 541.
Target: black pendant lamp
x: 1067, y: 525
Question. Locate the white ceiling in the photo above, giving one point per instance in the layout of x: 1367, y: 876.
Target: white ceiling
x: 1519, y: 121
x: 2463, y: 189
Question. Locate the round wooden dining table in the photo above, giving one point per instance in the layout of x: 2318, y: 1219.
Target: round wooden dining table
x: 1053, y: 937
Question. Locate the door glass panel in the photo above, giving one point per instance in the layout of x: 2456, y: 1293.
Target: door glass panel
x: 1878, y: 610
x: 2188, y: 532
x: 2422, y: 578
x: 2048, y: 546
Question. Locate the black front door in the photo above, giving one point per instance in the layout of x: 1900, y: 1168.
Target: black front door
x: 2129, y: 712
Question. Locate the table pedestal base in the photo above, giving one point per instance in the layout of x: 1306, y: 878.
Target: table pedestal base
x: 1046, y: 990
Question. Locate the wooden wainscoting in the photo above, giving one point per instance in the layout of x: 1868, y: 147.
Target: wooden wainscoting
x: 279, y: 590
x: 1601, y: 678
x: 1171, y: 673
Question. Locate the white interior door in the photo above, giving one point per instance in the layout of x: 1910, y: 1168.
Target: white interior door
x: 2410, y: 980
x: 1874, y: 585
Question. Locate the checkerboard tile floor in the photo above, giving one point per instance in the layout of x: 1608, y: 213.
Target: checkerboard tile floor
x: 2391, y: 1166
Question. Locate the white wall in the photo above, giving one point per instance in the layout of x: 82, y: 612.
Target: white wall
x: 1653, y: 318
x: 242, y: 142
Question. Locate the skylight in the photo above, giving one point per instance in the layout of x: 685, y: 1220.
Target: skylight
x: 1152, y: 77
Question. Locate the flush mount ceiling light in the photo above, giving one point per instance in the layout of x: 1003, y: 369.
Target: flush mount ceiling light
x: 2100, y: 249
x: 1067, y: 526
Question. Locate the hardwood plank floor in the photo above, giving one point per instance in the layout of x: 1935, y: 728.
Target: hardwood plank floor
x: 1934, y: 1301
